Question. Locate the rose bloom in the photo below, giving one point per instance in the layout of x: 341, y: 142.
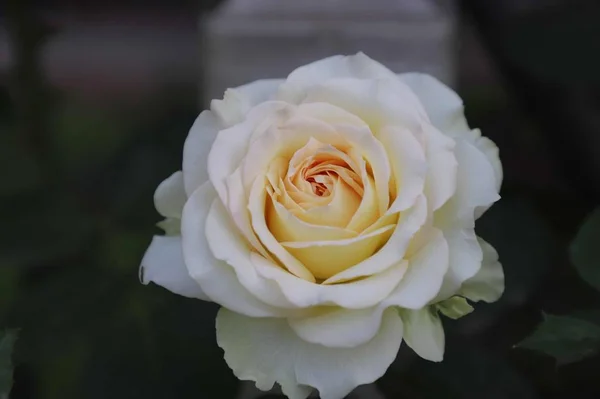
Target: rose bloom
x: 331, y: 215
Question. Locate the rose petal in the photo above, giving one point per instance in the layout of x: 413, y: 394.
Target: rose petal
x: 465, y: 260
x: 256, y: 206
x: 409, y: 166
x: 373, y: 151
x: 336, y: 327
x: 170, y: 196
x: 284, y: 140
x: 425, y: 274
x: 215, y: 277
x: 442, y: 168
x: 393, y: 250
x: 446, y: 111
x: 327, y: 258
x: 443, y: 106
x: 237, y: 205
x: 355, y: 66
x: 488, y: 284
x: 491, y: 152
x: 424, y: 333
x: 359, y: 294
x: 475, y: 187
x: 238, y: 101
x: 196, y: 148
x: 163, y: 265
x: 227, y: 245
x: 231, y: 144
x: 375, y: 101
x: 285, y: 226
x: 268, y: 351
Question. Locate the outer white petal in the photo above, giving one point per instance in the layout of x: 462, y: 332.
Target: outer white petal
x: 443, y: 169
x: 424, y: 333
x: 488, y: 284
x: 375, y: 101
x: 268, y: 351
x: 170, y: 196
x: 443, y: 106
x: 238, y: 101
x: 446, y: 111
x: 163, y: 265
x: 196, y: 149
x: 425, y: 274
x: 490, y: 150
x: 465, y: 260
x: 358, y: 66
x: 336, y: 327
x: 475, y: 188
x: 216, y: 278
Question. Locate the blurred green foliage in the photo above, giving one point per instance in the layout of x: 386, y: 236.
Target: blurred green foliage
x: 574, y: 337
x: 70, y: 251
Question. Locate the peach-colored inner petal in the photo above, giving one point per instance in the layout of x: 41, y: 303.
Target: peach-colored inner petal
x: 322, y: 206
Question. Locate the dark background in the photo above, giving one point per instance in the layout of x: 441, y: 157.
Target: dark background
x: 84, y: 142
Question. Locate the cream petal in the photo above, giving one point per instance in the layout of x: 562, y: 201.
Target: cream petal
x: 491, y: 152
x: 359, y: 294
x: 337, y: 213
x: 488, y: 284
x: 409, y: 165
x: 163, y: 264
x: 465, y: 260
x: 424, y: 333
x: 217, y: 279
x: 237, y: 205
x: 226, y: 244
x: 256, y: 206
x: 170, y: 196
x: 331, y: 114
x: 196, y: 148
x: 393, y: 250
x: 475, y: 187
x: 374, y: 152
x: 268, y: 351
x: 283, y: 141
x: 238, y: 101
x: 355, y: 66
x: 368, y: 210
x: 337, y: 327
x: 446, y: 111
x: 425, y: 274
x: 375, y: 101
x: 327, y: 258
x: 443, y: 106
x: 285, y: 226
x: 442, y: 170
x: 231, y: 144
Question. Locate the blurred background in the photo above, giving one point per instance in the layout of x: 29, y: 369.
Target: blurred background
x: 96, y: 100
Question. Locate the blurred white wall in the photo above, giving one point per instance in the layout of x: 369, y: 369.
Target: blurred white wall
x: 251, y: 39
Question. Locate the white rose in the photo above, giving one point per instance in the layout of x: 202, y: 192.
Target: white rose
x: 331, y: 215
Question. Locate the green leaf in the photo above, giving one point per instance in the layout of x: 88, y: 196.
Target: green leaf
x: 566, y: 338
x: 585, y: 251
x: 455, y: 307
x: 7, y: 341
